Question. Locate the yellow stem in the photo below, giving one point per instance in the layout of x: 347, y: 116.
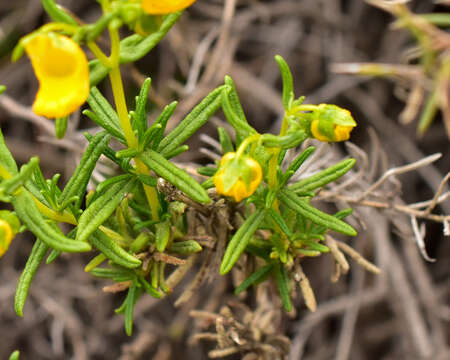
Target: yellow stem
x: 121, y: 106
x: 99, y: 54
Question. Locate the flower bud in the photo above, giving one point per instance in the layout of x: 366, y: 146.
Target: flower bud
x: 237, y: 177
x: 331, y: 123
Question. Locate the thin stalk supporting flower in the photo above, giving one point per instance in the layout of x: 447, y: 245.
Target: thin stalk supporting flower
x: 137, y: 219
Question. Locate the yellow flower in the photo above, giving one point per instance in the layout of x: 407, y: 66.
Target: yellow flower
x: 63, y: 73
x: 340, y: 132
x: 160, y: 7
x: 332, y: 123
x: 6, y: 235
x: 237, y: 177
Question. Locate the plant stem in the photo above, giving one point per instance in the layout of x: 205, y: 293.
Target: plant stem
x: 121, y: 107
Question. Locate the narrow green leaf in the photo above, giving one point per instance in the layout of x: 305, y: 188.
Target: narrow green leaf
x: 288, y: 82
x: 240, y: 239
x: 257, y: 277
x: 131, y: 300
x: 126, y: 153
x: 192, y: 122
x: 283, y: 285
x: 152, y: 291
x: 225, y: 141
x: 239, y: 124
x: 105, y: 124
x: 185, y: 247
x: 233, y: 98
x: 298, y: 161
x: 54, y: 254
x: 162, y: 235
x: 61, y: 126
x: 179, y: 150
x: 140, y: 119
x: 57, y: 14
x: 37, y: 255
x: 207, y: 170
x: 428, y: 113
x: 323, y: 177
x: 77, y: 184
x: 102, y: 208
x: 15, y: 355
x: 162, y: 120
x: 278, y: 219
x: 29, y: 214
x: 292, y: 201
x: 176, y: 176
x: 117, y: 274
x: 113, y: 251
x: 6, y: 159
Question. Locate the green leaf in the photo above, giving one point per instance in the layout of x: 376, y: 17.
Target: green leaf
x: 113, y: 251
x: 240, y: 125
x: 77, y: 184
x: 152, y: 291
x: 116, y: 274
x: 428, y: 113
x: 28, y: 212
x: 102, y: 208
x: 103, y: 114
x: 57, y: 14
x: 292, y: 201
x: 323, y: 177
x: 278, y: 219
x: 54, y: 254
x: 133, y: 48
x: 298, y: 161
x: 37, y: 255
x: 132, y: 297
x: 288, y: 82
x: 9, y: 186
x: 162, y: 235
x: 240, y: 239
x: 15, y: 355
x: 176, y: 176
x: 283, y: 285
x: 61, y: 126
x: 257, y: 277
x: 140, y: 118
x: 192, y: 122
x: 233, y: 99
x: 225, y: 141
x: 6, y: 159
x: 162, y: 120
x: 207, y: 170
x: 185, y: 247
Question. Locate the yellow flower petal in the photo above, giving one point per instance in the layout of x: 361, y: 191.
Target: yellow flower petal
x: 6, y: 235
x: 159, y: 7
x: 63, y: 73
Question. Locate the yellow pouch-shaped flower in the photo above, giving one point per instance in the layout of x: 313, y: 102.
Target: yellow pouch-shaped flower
x: 160, y: 7
x: 237, y: 177
x: 332, y: 123
x: 63, y: 73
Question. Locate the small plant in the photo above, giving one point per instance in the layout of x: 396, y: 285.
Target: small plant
x: 151, y: 212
